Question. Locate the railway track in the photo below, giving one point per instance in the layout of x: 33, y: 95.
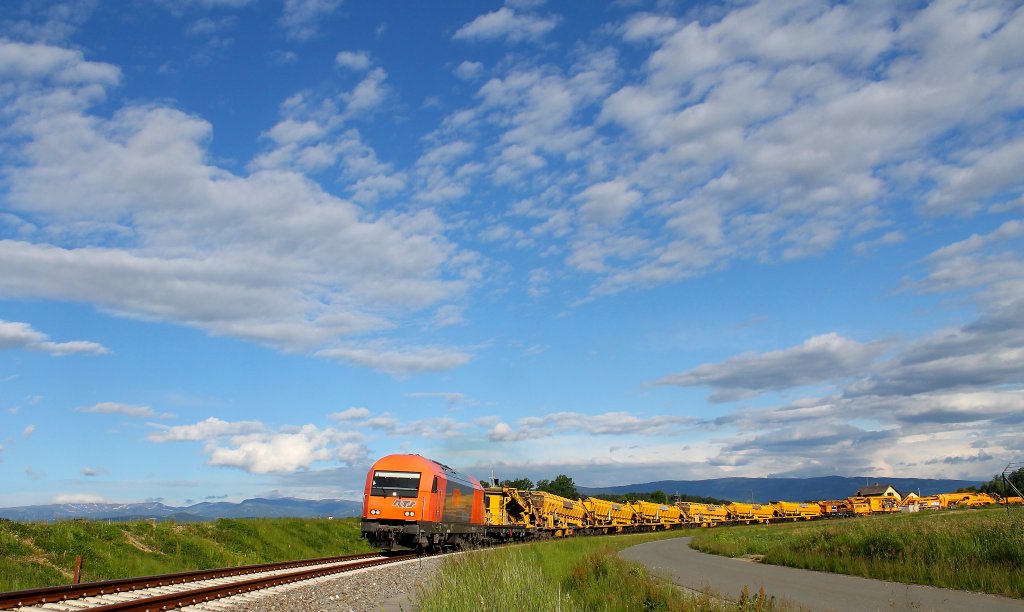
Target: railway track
x: 171, y: 591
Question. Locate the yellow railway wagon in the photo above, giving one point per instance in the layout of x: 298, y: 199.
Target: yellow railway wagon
x: 705, y: 515
x: 1013, y: 500
x: 508, y: 507
x: 798, y: 510
x: 786, y: 509
x: 657, y: 514
x: 556, y: 513
x: 835, y: 507
x: 808, y: 510
x: 751, y: 513
x: 604, y: 513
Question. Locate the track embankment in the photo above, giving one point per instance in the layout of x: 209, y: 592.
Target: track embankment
x: 803, y: 589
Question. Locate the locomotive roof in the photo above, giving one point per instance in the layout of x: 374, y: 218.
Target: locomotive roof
x: 449, y: 472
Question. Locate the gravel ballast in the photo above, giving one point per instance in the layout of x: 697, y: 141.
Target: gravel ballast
x: 390, y: 587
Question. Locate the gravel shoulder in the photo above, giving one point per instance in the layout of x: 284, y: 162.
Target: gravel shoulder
x: 390, y: 588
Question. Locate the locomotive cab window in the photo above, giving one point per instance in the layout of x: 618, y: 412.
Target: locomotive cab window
x: 395, y: 484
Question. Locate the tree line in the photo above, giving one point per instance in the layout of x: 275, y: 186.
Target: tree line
x: 564, y: 486
x: 997, y: 486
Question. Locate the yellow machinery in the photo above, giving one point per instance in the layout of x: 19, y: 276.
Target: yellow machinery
x: 609, y: 515
x: 751, y: 513
x: 705, y: 515
x: 860, y: 506
x: 882, y: 505
x: 555, y: 513
x: 967, y: 500
x: 929, y: 502
x: 656, y: 515
x: 508, y: 507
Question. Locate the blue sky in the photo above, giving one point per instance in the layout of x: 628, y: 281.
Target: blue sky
x: 247, y: 246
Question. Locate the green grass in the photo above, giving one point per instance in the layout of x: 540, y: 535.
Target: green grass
x: 43, y: 554
x: 571, y: 574
x: 971, y: 550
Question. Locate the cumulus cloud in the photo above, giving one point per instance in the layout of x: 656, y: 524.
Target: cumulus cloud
x: 399, y: 361
x: 818, y: 360
x: 301, y: 18
x: 431, y: 428
x: 157, y: 232
x: 353, y: 60
x: 609, y: 423
x: 91, y: 472
x: 28, y: 431
x: 124, y: 409
x: 255, y: 448
x: 78, y: 498
x: 508, y: 24
x: 17, y: 335
x: 351, y: 414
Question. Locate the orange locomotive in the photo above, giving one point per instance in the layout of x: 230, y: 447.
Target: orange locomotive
x: 413, y: 503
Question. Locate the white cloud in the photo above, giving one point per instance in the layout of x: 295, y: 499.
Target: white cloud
x: 156, y: 232
x: 255, y: 448
x: 124, y: 409
x: 17, y: 335
x: 90, y: 472
x: 607, y: 203
x: 508, y: 24
x: 353, y: 60
x: 818, y: 360
x: 78, y: 498
x: 351, y: 414
x: 400, y: 361
x: 608, y: 423
x: 450, y: 398
x: 209, y: 429
x: 301, y: 18
x: 28, y: 431
x: 469, y: 71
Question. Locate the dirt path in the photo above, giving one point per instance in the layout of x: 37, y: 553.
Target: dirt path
x: 803, y: 589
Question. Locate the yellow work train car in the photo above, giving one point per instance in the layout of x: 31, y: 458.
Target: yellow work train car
x: 751, y: 513
x: 556, y: 514
x: 705, y: 515
x: 657, y: 515
x: 609, y: 516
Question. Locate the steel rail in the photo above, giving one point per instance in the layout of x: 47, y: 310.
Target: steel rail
x: 171, y: 601
x: 67, y: 592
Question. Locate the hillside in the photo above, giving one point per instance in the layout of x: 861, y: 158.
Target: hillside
x: 206, y: 511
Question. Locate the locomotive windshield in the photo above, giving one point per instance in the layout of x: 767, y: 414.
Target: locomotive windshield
x: 395, y: 484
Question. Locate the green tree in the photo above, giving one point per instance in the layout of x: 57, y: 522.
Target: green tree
x: 523, y: 484
x: 658, y: 497
x: 997, y: 486
x: 561, y: 485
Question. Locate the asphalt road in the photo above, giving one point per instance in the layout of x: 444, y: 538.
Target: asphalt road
x: 803, y: 589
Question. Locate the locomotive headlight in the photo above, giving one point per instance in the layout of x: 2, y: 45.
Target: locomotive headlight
x: 374, y: 511
x: 410, y: 513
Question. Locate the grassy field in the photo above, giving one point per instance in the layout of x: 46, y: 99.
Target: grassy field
x: 972, y: 550
x: 43, y: 554
x: 568, y: 575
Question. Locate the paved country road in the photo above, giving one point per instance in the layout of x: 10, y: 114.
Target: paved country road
x: 803, y: 589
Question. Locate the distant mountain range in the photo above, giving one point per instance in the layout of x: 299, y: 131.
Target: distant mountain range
x: 736, y: 489
x: 206, y: 511
x: 791, y: 489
